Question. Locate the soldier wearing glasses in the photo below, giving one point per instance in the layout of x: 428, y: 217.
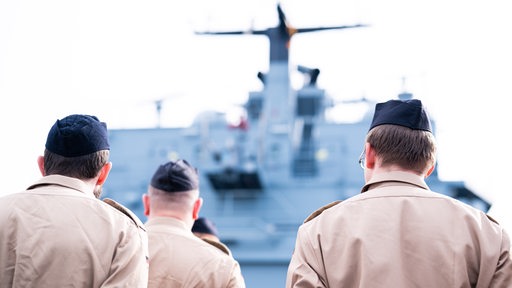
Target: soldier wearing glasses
x: 397, y: 232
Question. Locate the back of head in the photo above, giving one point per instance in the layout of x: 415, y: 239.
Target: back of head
x: 177, y: 176
x: 77, y: 146
x: 203, y: 227
x: 174, y: 186
x: 401, y: 135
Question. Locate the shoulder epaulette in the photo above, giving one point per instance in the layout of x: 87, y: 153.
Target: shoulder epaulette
x: 320, y: 210
x: 218, y: 245
x: 125, y: 211
x: 492, y: 219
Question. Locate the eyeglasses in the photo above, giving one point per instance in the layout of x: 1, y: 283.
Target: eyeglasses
x: 362, y: 160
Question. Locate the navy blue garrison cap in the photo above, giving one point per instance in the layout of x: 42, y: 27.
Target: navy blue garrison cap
x: 177, y: 176
x: 407, y: 113
x: 203, y: 225
x: 77, y: 135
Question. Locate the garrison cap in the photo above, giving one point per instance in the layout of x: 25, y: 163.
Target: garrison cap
x: 177, y: 176
x: 77, y: 135
x: 203, y: 225
x: 408, y: 113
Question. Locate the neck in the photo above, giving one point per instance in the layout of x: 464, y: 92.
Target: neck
x: 189, y: 222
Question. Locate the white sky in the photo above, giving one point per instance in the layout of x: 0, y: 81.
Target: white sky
x: 114, y: 58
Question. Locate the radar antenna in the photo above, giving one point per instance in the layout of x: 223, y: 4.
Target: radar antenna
x: 280, y: 35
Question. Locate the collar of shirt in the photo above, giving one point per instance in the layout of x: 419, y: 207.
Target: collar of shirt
x: 64, y: 181
x: 168, y: 224
x: 391, y: 178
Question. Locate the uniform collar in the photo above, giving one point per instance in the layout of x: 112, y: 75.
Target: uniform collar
x: 392, y: 178
x: 64, y: 181
x: 169, y: 222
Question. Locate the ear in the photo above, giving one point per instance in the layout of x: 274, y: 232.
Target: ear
x: 369, y: 155
x: 197, y: 206
x: 40, y: 164
x: 104, y: 173
x: 430, y: 170
x: 145, y: 202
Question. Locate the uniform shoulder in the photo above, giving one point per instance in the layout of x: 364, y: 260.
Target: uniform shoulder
x: 125, y: 211
x: 492, y: 219
x: 320, y: 210
x: 221, y: 246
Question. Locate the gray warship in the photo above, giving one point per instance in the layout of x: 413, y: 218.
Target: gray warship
x: 261, y: 177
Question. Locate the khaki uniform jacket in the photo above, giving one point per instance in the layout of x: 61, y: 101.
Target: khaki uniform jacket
x: 56, y: 235
x: 177, y: 258
x: 399, y: 234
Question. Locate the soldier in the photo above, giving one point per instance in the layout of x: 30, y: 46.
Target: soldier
x: 58, y: 233
x: 177, y: 258
x: 397, y: 232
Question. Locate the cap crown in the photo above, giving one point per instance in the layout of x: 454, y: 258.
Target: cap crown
x: 408, y: 113
x: 77, y: 135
